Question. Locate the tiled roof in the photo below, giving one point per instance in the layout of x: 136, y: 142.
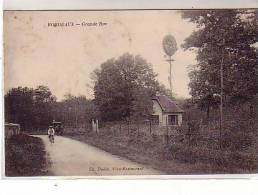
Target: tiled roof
x: 167, y: 104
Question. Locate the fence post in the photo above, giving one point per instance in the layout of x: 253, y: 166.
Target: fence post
x: 138, y: 128
x: 189, y: 135
x: 167, y: 130
x: 201, y: 124
x: 128, y: 130
x: 120, y: 128
x: 92, y: 125
x: 150, y: 127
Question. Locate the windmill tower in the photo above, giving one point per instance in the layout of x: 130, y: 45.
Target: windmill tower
x: 169, y: 47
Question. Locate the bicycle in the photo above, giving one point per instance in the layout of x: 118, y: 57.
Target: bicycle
x: 51, y: 139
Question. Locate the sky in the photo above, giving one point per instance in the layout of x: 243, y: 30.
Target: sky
x: 64, y: 57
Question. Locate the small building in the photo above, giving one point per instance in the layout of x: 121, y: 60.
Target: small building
x: 166, y: 111
x: 11, y: 129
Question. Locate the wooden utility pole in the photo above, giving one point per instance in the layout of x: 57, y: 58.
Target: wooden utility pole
x: 128, y: 130
x: 221, y: 102
x: 150, y: 126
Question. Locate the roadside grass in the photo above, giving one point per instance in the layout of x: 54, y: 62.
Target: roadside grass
x: 170, y: 159
x: 25, y: 156
x: 182, y: 153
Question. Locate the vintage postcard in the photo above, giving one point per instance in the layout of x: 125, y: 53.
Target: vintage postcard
x: 130, y: 92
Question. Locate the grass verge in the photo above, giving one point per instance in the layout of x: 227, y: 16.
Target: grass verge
x: 155, y: 154
x: 25, y: 156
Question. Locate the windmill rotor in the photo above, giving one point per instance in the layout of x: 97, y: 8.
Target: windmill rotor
x: 169, y: 45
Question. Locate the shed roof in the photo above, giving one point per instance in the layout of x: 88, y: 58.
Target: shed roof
x: 166, y: 104
x: 12, y: 125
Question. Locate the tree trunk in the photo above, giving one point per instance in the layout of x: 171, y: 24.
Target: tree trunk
x: 251, y: 110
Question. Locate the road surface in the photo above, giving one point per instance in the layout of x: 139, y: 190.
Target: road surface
x: 69, y: 157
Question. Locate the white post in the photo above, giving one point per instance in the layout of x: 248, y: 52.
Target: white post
x: 93, y: 125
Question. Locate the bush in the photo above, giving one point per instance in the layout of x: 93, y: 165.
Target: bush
x: 25, y: 156
x: 244, y: 161
x: 221, y: 160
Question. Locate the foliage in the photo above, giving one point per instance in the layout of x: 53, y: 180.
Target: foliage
x: 35, y: 109
x: 29, y: 107
x: 124, y: 88
x: 227, y: 37
x: 25, y: 156
x: 74, y: 111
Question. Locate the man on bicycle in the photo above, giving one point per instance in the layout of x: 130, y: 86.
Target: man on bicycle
x: 51, y: 132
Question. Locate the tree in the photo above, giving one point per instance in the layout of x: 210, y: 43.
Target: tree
x: 124, y: 87
x: 227, y: 35
x: 74, y: 111
x: 42, y: 106
x: 19, y: 107
x: 203, y: 92
x: 28, y: 107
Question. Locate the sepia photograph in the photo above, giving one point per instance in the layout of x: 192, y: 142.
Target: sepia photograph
x: 130, y: 92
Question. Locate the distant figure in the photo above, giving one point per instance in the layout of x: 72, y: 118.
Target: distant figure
x: 51, y: 133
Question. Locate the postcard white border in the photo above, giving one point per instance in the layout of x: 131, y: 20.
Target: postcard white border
x: 203, y: 176
x: 123, y: 4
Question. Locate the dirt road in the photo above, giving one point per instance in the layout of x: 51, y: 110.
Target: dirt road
x: 69, y: 157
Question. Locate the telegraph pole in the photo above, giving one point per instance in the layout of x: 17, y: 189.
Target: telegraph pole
x: 221, y: 95
x: 221, y: 102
